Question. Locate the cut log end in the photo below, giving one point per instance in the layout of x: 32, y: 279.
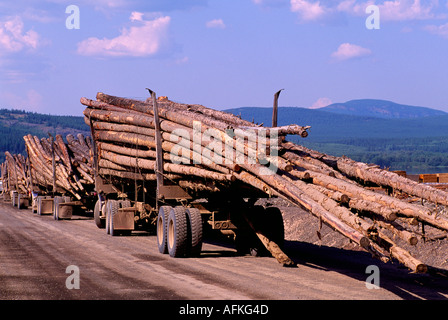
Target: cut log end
x: 364, y: 242
x: 421, y: 268
x: 413, y: 240
x: 344, y: 198
x: 392, y: 216
x: 405, y: 258
x: 236, y: 167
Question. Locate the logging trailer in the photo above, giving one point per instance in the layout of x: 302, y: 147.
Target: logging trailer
x: 181, y: 216
x: 46, y: 182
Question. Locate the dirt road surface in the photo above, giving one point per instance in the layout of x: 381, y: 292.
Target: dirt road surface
x: 35, y: 252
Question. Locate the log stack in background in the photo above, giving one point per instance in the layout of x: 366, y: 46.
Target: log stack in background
x: 14, y: 173
x: 336, y: 190
x: 72, y: 164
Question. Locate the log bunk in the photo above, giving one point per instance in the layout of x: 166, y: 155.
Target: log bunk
x: 150, y: 151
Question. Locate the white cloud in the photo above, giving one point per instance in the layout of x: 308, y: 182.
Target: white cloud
x: 321, y: 102
x: 441, y: 30
x: 39, y: 15
x: 136, y: 16
x: 216, y: 23
x: 14, y: 39
x: 16, y: 76
x: 31, y: 100
x: 391, y: 10
x: 353, y: 7
x: 146, y: 38
x: 348, y: 51
x: 182, y: 60
x: 308, y: 11
x: 401, y: 10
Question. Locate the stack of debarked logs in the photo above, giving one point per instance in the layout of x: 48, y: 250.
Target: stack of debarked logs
x: 14, y: 175
x: 56, y: 165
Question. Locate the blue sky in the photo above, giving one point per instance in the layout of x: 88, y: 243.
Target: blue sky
x: 222, y: 54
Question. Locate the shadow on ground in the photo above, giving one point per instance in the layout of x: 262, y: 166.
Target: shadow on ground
x: 394, y: 277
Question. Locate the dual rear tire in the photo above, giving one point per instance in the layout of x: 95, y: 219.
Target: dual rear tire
x: 179, y: 231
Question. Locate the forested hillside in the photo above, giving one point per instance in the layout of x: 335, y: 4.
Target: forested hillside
x: 418, y: 145
x: 14, y: 124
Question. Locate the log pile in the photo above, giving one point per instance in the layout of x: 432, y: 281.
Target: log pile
x: 212, y: 150
x: 57, y: 166
x: 14, y: 173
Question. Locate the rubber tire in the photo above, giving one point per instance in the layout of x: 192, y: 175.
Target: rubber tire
x: 114, y: 206
x: 177, y: 235
x: 162, y: 229
x: 100, y: 222
x: 194, y: 231
x: 110, y: 207
x: 106, y: 209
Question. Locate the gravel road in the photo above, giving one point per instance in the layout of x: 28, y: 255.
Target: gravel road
x: 41, y: 258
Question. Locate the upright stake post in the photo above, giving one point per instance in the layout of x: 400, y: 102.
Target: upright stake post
x: 158, y: 139
x: 275, y: 109
x: 53, y: 162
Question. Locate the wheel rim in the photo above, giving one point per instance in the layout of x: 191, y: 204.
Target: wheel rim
x: 160, y: 230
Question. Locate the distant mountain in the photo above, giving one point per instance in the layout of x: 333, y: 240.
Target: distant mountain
x: 417, y: 144
x: 326, y: 126
x: 381, y: 109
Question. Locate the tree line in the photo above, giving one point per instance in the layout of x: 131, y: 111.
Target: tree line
x: 14, y: 124
x: 416, y: 155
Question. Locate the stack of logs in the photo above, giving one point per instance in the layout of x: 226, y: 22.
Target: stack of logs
x: 61, y: 167
x: 14, y: 176
x: 337, y: 190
